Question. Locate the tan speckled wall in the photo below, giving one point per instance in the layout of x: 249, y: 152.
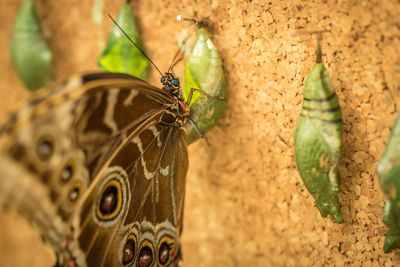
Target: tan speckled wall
x: 246, y: 205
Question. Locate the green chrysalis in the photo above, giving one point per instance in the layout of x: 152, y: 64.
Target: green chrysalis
x: 30, y: 53
x: 389, y: 173
x: 318, y: 142
x: 120, y: 55
x: 204, y: 71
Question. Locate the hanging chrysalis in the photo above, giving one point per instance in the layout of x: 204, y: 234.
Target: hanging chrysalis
x: 120, y: 55
x: 389, y: 173
x: 204, y: 71
x: 30, y: 53
x: 318, y: 141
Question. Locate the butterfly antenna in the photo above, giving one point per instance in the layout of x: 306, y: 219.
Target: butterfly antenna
x: 130, y: 39
x: 199, y: 23
x: 174, y: 61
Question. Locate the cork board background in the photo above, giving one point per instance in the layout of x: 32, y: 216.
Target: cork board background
x: 246, y: 204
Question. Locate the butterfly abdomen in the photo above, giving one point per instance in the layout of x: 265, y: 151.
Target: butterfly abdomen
x: 318, y: 142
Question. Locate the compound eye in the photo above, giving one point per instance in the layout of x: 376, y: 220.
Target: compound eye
x: 162, y: 80
x: 175, y: 82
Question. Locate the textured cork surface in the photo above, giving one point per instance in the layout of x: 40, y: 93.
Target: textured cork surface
x: 246, y: 204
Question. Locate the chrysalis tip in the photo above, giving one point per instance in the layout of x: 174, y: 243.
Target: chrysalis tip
x: 182, y: 18
x: 179, y: 18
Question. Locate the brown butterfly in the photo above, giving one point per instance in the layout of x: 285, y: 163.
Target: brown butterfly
x: 99, y: 163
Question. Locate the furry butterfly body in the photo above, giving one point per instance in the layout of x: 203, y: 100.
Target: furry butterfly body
x: 98, y: 164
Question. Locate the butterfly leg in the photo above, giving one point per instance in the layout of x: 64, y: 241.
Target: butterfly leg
x: 198, y: 131
x: 196, y: 90
x: 189, y: 100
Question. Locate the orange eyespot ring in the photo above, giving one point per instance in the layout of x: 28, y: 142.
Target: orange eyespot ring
x: 165, y: 250
x: 109, y: 204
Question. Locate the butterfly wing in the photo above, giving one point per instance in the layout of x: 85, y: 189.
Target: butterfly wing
x: 65, y: 136
x: 133, y: 217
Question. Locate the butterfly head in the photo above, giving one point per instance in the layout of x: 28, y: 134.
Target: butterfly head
x: 170, y: 83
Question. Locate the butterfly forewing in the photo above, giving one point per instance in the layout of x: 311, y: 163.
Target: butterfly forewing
x: 94, y: 145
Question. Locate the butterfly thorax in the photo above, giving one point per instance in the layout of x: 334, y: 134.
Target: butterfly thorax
x: 171, y: 86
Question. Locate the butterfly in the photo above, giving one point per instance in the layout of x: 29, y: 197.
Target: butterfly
x: 98, y: 163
